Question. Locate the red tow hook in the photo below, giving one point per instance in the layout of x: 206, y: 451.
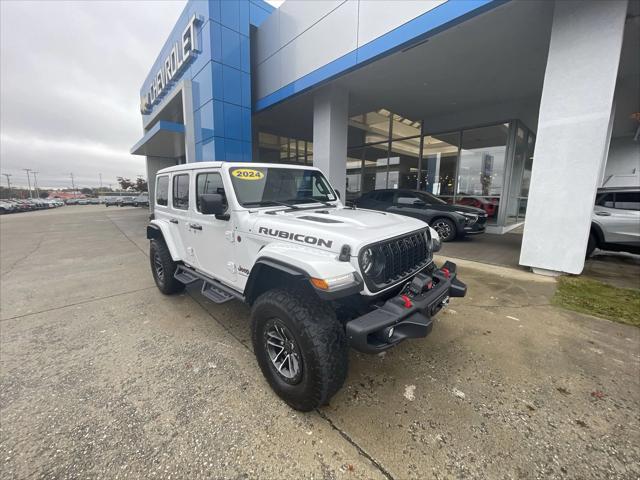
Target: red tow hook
x: 407, y: 301
x: 446, y: 272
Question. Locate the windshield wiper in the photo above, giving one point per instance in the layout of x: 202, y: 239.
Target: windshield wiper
x: 264, y: 203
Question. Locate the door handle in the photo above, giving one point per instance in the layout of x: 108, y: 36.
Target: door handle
x: 195, y: 226
x: 603, y: 214
x: 173, y: 220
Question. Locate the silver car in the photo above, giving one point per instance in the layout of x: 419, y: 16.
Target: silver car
x: 615, y: 223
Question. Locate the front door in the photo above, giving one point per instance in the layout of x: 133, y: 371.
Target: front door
x: 212, y: 240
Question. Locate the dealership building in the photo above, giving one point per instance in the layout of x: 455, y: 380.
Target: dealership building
x: 522, y: 108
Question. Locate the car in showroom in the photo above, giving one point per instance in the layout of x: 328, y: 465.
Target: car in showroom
x: 450, y: 221
x: 615, y: 223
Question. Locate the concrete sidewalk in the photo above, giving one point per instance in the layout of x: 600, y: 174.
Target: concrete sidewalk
x: 102, y: 376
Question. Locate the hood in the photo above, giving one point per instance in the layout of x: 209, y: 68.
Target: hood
x: 331, y: 228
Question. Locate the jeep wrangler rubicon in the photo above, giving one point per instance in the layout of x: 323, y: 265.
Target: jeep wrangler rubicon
x: 320, y: 276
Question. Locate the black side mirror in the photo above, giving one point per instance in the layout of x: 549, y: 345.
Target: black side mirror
x: 338, y: 193
x: 214, y: 204
x: 419, y: 203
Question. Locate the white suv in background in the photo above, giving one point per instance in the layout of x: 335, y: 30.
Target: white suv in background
x: 615, y: 224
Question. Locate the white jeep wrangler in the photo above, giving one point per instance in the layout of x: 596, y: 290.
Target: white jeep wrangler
x: 320, y: 276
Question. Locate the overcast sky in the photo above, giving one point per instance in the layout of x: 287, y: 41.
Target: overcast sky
x: 70, y: 73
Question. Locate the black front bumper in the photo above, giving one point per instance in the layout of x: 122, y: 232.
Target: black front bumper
x: 407, y: 315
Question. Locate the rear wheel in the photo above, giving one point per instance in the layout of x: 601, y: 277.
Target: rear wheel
x: 163, y: 268
x: 300, y: 346
x: 445, y: 228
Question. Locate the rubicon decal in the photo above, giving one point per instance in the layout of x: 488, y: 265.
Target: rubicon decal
x: 296, y: 237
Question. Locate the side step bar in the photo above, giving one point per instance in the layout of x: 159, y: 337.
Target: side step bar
x: 212, y: 289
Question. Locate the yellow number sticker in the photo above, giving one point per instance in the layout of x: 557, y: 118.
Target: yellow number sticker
x: 247, y: 174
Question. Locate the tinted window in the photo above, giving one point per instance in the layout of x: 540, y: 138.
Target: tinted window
x: 605, y: 200
x: 207, y: 183
x: 406, y: 198
x: 386, y: 197
x: 181, y: 192
x: 628, y: 200
x: 162, y: 191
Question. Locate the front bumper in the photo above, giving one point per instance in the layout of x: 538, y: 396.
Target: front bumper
x: 407, y: 315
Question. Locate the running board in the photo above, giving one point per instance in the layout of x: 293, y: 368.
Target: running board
x: 212, y: 289
x: 216, y: 294
x: 184, y: 276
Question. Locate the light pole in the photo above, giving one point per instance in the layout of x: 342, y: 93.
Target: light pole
x: 100, y: 175
x: 35, y: 184
x: 73, y: 185
x: 8, y: 175
x: 28, y: 180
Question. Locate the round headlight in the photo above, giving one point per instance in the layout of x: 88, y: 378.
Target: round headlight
x: 373, y: 263
x: 436, y: 242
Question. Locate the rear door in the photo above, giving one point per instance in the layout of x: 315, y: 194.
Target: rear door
x: 179, y: 216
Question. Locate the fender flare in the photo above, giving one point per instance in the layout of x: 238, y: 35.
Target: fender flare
x: 159, y: 230
x: 267, y: 262
x: 597, y: 230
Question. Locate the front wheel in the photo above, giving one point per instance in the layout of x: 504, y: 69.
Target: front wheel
x: 300, y: 346
x: 445, y: 228
x: 163, y: 268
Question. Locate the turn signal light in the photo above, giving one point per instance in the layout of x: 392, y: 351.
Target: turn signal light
x: 332, y: 283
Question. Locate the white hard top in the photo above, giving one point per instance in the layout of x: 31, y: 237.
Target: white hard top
x: 204, y: 165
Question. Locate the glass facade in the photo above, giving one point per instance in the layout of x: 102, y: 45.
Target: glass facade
x: 488, y: 167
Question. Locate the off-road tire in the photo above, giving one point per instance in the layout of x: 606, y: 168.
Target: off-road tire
x: 591, y: 244
x: 453, y: 231
x: 165, y: 282
x: 319, y: 337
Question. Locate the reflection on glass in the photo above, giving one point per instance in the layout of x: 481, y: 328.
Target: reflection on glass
x: 402, y: 127
x: 481, y: 169
x: 374, y: 160
x: 403, y: 163
x: 515, y: 184
x: 369, y: 127
x: 439, y: 161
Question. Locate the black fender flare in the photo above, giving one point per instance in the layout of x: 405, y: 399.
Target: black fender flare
x: 597, y: 231
x: 154, y: 231
x: 253, y: 288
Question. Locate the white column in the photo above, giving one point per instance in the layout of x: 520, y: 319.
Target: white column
x: 330, y: 117
x: 577, y: 98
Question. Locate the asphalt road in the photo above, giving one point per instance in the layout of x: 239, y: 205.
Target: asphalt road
x: 101, y: 376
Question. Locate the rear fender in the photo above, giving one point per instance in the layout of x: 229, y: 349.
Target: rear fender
x: 157, y: 229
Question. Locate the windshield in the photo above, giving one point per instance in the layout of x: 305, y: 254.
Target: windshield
x: 266, y: 186
x: 431, y: 199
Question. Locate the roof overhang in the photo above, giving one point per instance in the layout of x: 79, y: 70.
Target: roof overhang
x: 164, y: 139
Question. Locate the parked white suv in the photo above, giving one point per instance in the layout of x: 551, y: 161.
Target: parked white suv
x: 320, y: 276
x: 615, y: 223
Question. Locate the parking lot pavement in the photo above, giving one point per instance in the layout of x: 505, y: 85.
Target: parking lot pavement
x: 102, y: 376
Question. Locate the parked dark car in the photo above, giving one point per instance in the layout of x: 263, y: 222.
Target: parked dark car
x: 450, y: 221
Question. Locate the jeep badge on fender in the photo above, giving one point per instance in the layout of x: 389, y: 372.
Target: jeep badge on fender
x: 278, y: 238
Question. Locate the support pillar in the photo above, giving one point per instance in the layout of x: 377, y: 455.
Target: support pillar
x: 577, y: 98
x: 330, y: 117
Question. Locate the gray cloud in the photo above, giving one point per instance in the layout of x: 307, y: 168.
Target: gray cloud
x: 70, y: 73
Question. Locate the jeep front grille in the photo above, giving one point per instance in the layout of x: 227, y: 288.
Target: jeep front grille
x: 403, y: 256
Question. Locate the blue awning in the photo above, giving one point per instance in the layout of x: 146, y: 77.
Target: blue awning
x: 164, y: 139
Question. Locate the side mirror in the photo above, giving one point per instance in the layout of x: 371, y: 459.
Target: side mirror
x: 214, y: 204
x: 338, y: 193
x: 419, y: 203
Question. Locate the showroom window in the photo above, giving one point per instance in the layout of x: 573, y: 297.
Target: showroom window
x: 481, y: 168
x: 439, y: 164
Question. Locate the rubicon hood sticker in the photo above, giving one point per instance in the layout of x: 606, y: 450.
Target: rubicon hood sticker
x: 247, y: 174
x: 296, y: 237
